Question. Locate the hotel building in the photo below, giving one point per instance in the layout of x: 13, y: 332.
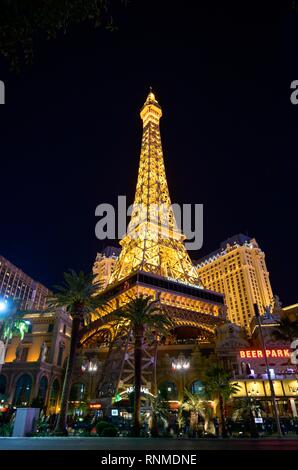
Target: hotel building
x: 238, y: 270
x: 21, y: 288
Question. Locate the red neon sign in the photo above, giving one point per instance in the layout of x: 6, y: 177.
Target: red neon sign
x: 258, y: 353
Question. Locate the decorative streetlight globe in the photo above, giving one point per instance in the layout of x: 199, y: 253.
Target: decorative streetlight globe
x: 181, y: 363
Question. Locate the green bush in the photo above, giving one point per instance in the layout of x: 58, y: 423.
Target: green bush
x: 101, y: 425
x: 110, y: 431
x: 6, y: 430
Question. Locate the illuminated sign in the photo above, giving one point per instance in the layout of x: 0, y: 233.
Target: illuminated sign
x: 258, y: 420
x: 258, y: 353
x: 114, y: 412
x: 95, y: 406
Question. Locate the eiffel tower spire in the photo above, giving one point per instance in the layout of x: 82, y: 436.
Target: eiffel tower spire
x: 153, y: 242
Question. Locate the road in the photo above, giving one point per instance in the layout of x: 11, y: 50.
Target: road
x: 126, y: 443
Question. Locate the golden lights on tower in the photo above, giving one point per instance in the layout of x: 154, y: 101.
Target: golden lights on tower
x: 153, y: 243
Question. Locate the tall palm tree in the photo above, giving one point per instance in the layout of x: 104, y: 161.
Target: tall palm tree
x: 248, y: 408
x: 218, y: 386
x: 144, y: 316
x: 79, y: 296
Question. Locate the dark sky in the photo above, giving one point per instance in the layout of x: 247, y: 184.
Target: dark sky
x: 70, y: 131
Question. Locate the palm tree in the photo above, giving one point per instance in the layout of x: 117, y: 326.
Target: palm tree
x: 287, y: 330
x: 159, y: 412
x: 248, y: 408
x: 180, y: 420
x: 218, y: 386
x: 78, y: 295
x: 197, y: 406
x: 12, y: 325
x: 143, y: 315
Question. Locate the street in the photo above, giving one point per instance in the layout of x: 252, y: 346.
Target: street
x: 124, y: 443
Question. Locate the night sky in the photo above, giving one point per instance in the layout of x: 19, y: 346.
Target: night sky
x: 70, y: 131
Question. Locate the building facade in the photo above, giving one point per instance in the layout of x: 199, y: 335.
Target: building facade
x: 21, y: 288
x: 238, y: 270
x: 34, y: 367
x: 104, y: 265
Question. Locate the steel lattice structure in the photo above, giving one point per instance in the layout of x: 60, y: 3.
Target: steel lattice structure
x: 153, y: 242
x: 153, y: 261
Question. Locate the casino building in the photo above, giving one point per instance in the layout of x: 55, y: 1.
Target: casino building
x: 153, y: 261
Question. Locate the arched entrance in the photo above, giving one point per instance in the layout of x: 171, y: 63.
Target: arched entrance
x: 42, y: 391
x: 168, y: 390
x: 54, y: 396
x: 23, y: 390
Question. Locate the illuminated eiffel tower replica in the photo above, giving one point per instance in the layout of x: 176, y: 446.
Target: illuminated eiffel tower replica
x: 153, y: 261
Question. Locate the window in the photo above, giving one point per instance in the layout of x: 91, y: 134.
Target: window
x: 42, y: 391
x: 60, y: 354
x: 50, y: 327
x: 197, y: 387
x: 24, y: 354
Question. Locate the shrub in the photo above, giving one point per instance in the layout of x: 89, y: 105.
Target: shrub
x: 101, y: 425
x: 5, y: 430
x: 110, y: 431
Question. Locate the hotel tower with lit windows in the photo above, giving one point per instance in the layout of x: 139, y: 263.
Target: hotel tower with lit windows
x: 238, y: 270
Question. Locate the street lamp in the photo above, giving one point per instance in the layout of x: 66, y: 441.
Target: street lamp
x: 269, y: 375
x: 90, y: 366
x: 181, y: 365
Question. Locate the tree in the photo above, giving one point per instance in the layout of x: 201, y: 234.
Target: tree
x: 12, y: 325
x: 248, y: 408
x: 180, y: 420
x: 287, y: 330
x: 79, y: 296
x: 25, y: 24
x: 197, y: 406
x: 144, y: 317
x: 218, y: 386
x: 159, y: 412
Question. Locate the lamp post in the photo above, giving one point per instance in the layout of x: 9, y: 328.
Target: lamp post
x: 181, y: 364
x: 272, y: 391
x: 90, y: 366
